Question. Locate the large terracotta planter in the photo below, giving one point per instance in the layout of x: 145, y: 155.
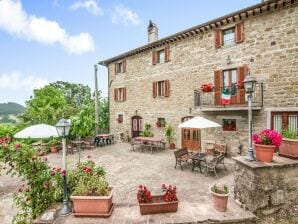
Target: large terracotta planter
x: 158, y: 205
x: 172, y: 146
x: 53, y: 149
x: 264, y: 153
x: 100, y: 206
x: 289, y: 148
x: 220, y: 201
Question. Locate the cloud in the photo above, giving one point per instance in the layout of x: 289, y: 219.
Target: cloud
x: 17, y: 81
x: 15, y: 21
x: 123, y: 15
x: 90, y: 5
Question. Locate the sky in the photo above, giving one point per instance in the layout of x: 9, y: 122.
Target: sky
x: 49, y: 40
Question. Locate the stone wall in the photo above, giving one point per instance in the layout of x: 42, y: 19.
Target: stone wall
x: 269, y: 50
x: 264, y: 188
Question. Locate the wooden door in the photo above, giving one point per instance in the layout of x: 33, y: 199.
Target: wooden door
x: 136, y: 126
x: 191, y: 139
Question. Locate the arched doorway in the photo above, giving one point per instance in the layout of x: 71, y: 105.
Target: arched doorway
x: 190, y: 137
x: 136, y: 126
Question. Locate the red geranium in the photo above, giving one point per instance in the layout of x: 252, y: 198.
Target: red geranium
x: 169, y: 193
x: 267, y: 137
x: 143, y: 195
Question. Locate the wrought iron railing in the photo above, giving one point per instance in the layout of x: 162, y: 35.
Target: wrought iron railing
x: 238, y: 97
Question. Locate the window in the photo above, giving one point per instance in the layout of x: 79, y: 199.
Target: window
x: 120, y: 67
x: 229, y: 124
x: 228, y: 36
x: 161, y: 55
x: 161, y: 122
x: 120, y: 94
x: 232, y: 82
x: 120, y: 118
x: 161, y: 88
x: 284, y: 120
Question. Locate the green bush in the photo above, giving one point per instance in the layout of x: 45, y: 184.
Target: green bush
x: 288, y: 133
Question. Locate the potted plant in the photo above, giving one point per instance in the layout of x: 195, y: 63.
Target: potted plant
x: 91, y: 195
x: 168, y: 202
x: 289, y: 144
x: 220, y: 197
x: 169, y: 133
x: 265, y: 144
x: 53, y: 144
x: 207, y: 87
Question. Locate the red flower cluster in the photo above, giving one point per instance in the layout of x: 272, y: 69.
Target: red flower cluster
x: 144, y: 195
x: 169, y: 193
x: 207, y: 87
x: 267, y: 137
x: 5, y: 140
x: 87, y: 169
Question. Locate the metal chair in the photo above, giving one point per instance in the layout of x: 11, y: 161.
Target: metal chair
x: 211, y: 165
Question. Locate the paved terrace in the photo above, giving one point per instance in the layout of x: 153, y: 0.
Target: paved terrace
x: 127, y: 169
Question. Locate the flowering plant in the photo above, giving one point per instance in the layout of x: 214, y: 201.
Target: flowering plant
x: 207, y: 87
x: 169, y: 193
x: 267, y: 137
x: 89, y: 179
x: 144, y: 195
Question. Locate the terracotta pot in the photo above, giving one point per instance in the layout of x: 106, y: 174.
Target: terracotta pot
x: 264, y: 153
x: 220, y: 201
x: 158, y: 205
x: 289, y: 148
x: 54, y: 149
x: 172, y: 146
x: 100, y: 206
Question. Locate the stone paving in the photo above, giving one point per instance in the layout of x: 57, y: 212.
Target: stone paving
x: 126, y: 169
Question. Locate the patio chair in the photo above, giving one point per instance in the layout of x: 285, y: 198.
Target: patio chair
x: 211, y: 165
x: 181, y: 155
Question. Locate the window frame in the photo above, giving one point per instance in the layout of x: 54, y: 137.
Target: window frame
x: 232, y: 120
x: 284, y: 119
x: 232, y: 41
x: 120, y: 118
x: 120, y: 95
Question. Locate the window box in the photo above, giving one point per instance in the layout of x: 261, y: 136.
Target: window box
x: 206, y: 87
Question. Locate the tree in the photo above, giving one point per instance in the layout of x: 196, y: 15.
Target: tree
x: 46, y: 106
x: 103, y: 114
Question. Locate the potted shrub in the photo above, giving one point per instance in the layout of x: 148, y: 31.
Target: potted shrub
x: 220, y: 197
x: 265, y: 144
x: 91, y: 195
x: 169, y: 133
x: 53, y: 144
x: 289, y: 144
x: 168, y: 202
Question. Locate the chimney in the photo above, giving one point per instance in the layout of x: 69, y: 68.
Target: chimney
x: 152, y: 32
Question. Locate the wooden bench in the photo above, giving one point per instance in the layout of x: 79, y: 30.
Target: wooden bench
x: 181, y: 155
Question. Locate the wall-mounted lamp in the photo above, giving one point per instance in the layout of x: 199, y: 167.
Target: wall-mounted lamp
x: 190, y: 110
x: 136, y: 112
x: 228, y: 60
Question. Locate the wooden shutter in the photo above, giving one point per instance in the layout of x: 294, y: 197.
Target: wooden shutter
x: 124, y: 93
x: 218, y: 83
x: 167, y: 53
x: 167, y: 88
x: 116, y: 95
x: 239, y: 36
x: 154, y: 89
x: 116, y: 68
x: 154, y: 57
x: 241, y: 72
x: 218, y: 38
x: 124, y: 65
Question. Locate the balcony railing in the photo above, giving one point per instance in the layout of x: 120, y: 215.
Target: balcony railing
x: 211, y: 101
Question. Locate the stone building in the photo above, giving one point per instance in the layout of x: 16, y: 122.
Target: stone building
x: 162, y: 80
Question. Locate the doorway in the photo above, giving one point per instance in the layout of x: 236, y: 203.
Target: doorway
x: 136, y: 126
x: 191, y: 137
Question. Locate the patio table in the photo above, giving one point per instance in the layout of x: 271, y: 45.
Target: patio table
x: 197, y: 159
x: 151, y: 141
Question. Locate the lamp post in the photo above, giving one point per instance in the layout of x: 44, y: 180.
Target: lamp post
x: 249, y: 85
x: 63, y: 129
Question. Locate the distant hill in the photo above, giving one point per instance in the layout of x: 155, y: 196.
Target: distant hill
x: 11, y: 108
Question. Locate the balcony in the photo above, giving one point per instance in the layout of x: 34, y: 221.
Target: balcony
x: 212, y: 101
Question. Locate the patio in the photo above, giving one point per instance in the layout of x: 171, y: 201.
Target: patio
x: 126, y: 169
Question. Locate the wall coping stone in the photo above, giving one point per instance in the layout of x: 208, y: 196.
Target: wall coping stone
x: 277, y: 162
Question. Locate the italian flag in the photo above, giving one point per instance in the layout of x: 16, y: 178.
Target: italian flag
x: 225, y: 96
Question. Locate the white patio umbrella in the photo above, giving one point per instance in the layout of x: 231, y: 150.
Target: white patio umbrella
x: 38, y: 131
x: 199, y: 122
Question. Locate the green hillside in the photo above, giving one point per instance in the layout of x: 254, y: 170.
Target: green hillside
x: 11, y: 108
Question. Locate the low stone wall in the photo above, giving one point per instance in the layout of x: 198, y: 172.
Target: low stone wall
x: 264, y: 188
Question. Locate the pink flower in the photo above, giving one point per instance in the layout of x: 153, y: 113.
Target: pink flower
x: 17, y: 146
x: 267, y: 137
x: 63, y: 173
